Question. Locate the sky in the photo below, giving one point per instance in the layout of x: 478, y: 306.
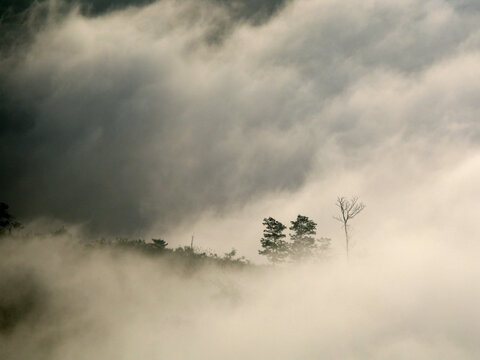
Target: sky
x: 173, y: 118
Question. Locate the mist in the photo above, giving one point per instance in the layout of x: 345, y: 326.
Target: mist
x: 190, y: 121
x: 410, y: 300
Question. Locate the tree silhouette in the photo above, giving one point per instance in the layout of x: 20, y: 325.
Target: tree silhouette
x: 303, y: 240
x: 275, y: 248
x: 7, y: 221
x: 348, y: 210
x: 159, y: 244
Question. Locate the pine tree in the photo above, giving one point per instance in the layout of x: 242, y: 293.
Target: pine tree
x: 275, y: 248
x: 303, y: 241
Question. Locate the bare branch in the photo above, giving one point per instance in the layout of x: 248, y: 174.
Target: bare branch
x: 341, y: 202
x: 356, y: 210
x: 352, y: 204
x: 348, y: 210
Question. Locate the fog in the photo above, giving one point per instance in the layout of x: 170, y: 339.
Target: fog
x: 410, y: 300
x: 164, y: 119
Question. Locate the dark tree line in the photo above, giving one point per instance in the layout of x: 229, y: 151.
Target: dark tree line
x: 7, y: 221
x: 160, y: 247
x: 302, y: 244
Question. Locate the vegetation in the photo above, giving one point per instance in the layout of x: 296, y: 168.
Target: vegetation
x: 7, y: 221
x: 275, y: 248
x: 303, y: 241
x: 348, y: 210
x: 302, y: 245
x: 187, y: 256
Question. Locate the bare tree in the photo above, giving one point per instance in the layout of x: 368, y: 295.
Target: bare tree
x: 348, y: 210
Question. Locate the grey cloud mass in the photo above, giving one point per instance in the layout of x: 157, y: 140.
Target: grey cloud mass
x: 136, y: 117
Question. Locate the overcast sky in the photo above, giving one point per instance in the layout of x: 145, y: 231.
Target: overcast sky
x: 189, y: 116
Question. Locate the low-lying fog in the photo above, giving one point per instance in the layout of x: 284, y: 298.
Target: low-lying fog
x: 403, y: 301
x: 165, y: 118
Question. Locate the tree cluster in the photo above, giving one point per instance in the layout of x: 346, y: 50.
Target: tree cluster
x: 302, y: 244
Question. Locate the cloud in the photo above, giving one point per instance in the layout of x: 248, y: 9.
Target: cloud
x: 136, y: 118
x: 404, y: 300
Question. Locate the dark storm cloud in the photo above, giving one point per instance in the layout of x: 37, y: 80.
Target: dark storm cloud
x: 125, y: 136
x: 256, y: 9
x: 133, y: 117
x: 15, y: 13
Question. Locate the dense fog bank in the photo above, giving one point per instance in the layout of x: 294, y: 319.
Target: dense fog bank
x: 59, y: 300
